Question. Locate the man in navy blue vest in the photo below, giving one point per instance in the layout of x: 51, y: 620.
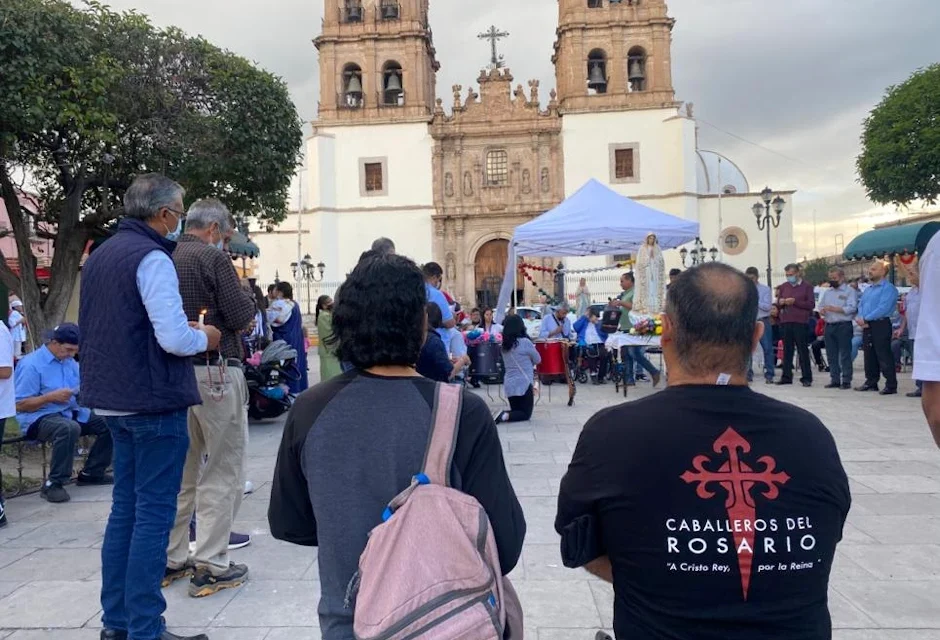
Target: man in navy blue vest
x: 137, y: 373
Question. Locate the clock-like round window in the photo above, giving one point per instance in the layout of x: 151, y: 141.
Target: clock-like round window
x: 733, y: 241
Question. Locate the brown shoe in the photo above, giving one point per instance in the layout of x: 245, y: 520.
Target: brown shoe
x: 657, y: 377
x: 203, y: 583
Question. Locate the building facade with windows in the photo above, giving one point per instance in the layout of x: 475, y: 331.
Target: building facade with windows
x: 450, y: 182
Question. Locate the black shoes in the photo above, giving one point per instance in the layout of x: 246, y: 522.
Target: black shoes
x: 832, y: 385
x: 867, y: 387
x: 113, y: 634
x: 54, y: 492
x: 780, y: 383
x: 806, y: 383
x: 498, y: 418
x: 912, y: 394
x: 846, y: 386
x: 888, y: 392
x: 3, y: 514
x: 85, y: 480
x: 205, y: 584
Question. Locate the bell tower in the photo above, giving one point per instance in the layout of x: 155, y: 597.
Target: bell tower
x: 377, y: 62
x: 613, y: 55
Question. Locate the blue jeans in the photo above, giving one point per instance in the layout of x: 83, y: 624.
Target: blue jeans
x: 767, y: 347
x: 839, y: 352
x: 149, y: 452
x: 856, y: 346
x: 633, y: 357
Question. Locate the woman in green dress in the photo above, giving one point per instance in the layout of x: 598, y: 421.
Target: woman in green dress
x: 329, y: 364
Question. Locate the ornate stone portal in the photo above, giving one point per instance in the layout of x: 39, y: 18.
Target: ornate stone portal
x: 507, y: 152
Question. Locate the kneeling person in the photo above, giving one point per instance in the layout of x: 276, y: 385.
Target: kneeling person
x: 47, y: 383
x: 714, y: 510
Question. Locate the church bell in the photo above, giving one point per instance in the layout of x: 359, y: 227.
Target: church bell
x: 393, y: 84
x: 390, y: 11
x: 354, y: 87
x: 597, y: 81
x: 636, y: 70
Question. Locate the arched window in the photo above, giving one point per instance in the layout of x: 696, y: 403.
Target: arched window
x: 595, y: 4
x: 352, y: 97
x: 393, y: 92
x: 497, y: 168
x: 597, y: 72
x: 636, y: 67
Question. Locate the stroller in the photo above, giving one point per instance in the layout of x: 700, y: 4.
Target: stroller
x: 267, y: 373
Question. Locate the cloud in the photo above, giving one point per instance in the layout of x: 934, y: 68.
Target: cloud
x: 794, y: 77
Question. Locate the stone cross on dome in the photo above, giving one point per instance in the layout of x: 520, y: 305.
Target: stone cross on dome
x: 494, y: 35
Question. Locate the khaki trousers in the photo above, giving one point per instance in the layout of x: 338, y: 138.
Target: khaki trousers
x: 218, y: 432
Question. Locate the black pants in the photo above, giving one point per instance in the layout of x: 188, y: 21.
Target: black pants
x: 879, y: 361
x: 795, y: 334
x: 63, y: 434
x: 520, y: 407
x: 816, y: 347
x: 839, y: 352
x: 597, y: 358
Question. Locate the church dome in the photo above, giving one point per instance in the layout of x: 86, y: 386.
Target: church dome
x: 717, y: 174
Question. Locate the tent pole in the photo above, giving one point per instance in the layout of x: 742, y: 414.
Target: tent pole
x: 514, y: 298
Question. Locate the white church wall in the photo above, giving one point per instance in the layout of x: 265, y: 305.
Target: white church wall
x: 664, y: 157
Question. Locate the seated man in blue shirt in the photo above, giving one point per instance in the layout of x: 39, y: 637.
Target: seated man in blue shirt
x: 557, y: 325
x: 47, y: 383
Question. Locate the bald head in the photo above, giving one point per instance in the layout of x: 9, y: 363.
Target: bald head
x: 712, y: 310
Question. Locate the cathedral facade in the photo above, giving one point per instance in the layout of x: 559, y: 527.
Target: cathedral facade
x: 449, y: 182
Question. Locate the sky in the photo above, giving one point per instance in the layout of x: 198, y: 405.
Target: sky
x: 782, y: 88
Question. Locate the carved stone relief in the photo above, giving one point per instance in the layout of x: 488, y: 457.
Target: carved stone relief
x: 449, y: 185
x: 546, y: 180
x: 467, y: 183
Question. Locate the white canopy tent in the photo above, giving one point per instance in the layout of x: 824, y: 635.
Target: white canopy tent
x: 594, y: 221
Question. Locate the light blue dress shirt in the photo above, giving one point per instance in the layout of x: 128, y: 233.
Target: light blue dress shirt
x: 160, y: 291
x: 879, y: 301
x: 765, y: 300
x: 41, y: 372
x: 519, y: 363
x: 550, y: 323
x: 435, y: 296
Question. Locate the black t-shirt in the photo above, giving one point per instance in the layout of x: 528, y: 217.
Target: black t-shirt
x: 720, y: 510
x: 353, y: 443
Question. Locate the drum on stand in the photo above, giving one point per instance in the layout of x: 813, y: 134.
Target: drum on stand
x: 486, y: 363
x: 554, y: 365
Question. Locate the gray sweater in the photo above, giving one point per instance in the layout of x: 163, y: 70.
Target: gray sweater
x: 519, y: 363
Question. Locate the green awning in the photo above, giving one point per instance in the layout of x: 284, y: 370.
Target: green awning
x: 905, y: 238
x: 239, y: 246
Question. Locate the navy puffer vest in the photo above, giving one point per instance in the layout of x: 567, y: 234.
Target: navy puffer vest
x: 124, y: 368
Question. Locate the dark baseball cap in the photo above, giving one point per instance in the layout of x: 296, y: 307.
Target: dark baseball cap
x: 66, y: 333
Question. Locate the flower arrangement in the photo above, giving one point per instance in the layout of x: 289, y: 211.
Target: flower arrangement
x: 648, y: 327
x: 478, y: 336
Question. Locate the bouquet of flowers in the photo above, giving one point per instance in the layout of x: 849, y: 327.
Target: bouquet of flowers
x: 478, y: 336
x: 648, y: 327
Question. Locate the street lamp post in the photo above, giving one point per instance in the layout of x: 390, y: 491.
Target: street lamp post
x: 698, y: 253
x: 765, y: 220
x: 307, y: 272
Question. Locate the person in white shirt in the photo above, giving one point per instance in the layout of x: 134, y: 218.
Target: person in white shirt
x: 7, y: 395
x: 17, y: 322
x: 927, y: 348
x: 909, y: 322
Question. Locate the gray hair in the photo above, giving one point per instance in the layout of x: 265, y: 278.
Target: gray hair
x: 837, y: 269
x: 149, y: 193
x: 206, y: 212
x: 383, y: 245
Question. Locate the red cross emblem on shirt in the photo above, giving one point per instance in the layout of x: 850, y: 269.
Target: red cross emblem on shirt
x: 738, y: 479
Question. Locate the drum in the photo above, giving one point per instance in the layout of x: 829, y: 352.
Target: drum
x: 486, y: 362
x: 553, y: 358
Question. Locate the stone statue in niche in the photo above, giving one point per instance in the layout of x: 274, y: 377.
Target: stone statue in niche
x: 545, y: 181
x: 451, y: 270
x: 526, y: 181
x: 467, y: 183
x: 449, y: 185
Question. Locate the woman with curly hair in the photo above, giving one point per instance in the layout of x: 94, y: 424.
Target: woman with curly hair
x: 354, y: 442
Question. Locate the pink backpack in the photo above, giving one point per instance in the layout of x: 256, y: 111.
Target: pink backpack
x: 431, y: 569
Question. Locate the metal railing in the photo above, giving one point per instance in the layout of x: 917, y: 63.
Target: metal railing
x: 350, y: 101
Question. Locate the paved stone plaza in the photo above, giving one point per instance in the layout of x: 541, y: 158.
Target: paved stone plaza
x: 884, y: 585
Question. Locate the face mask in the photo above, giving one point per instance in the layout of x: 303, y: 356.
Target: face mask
x: 174, y: 235
x: 792, y: 279
x: 835, y: 284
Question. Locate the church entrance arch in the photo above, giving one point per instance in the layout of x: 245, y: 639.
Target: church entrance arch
x: 489, y: 270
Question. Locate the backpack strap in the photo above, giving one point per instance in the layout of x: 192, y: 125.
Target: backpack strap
x: 442, y: 440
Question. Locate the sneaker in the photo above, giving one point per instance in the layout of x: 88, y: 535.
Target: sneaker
x: 3, y: 515
x: 769, y: 381
x: 204, y: 584
x: 85, y: 480
x: 171, y: 575
x: 498, y: 418
x: 54, y: 492
x: 238, y: 541
x: 249, y: 487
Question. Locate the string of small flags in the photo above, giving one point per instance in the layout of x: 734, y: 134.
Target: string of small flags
x: 554, y: 271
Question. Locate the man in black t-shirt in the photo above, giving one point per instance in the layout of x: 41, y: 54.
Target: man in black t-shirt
x: 714, y: 510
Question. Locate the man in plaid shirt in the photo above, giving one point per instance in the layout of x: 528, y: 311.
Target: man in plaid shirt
x: 219, y: 427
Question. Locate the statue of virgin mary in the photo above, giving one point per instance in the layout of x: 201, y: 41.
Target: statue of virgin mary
x: 650, y: 272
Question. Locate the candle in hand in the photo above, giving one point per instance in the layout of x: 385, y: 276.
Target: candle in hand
x: 202, y: 317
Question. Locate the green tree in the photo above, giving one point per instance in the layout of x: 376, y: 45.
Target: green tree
x: 900, y: 159
x: 90, y: 97
x: 816, y: 271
